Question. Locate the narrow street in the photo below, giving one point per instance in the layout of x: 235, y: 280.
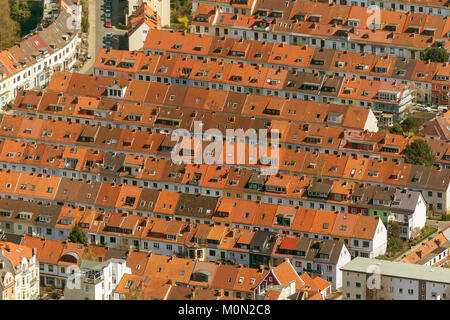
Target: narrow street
x: 98, y: 31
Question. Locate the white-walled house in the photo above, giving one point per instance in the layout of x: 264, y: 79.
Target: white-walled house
x: 19, y: 272
x: 372, y: 279
x: 98, y: 280
x: 411, y: 221
x: 30, y: 63
x: 139, y: 24
x: 323, y: 258
x: 161, y: 7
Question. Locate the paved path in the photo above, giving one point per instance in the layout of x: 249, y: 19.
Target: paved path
x: 92, y: 38
x: 97, y: 30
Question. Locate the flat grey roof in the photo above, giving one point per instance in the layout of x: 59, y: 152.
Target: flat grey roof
x: 399, y: 269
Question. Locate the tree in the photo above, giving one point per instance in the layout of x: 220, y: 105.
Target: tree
x: 394, y: 242
x: 412, y: 124
x: 396, y: 129
x: 77, y: 235
x: 184, y: 21
x: 180, y: 12
x: 435, y: 54
x: 19, y: 11
x: 85, y: 24
x: 419, y: 152
x: 9, y: 29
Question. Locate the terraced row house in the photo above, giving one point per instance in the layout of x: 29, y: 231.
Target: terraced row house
x: 30, y: 63
x: 327, y: 25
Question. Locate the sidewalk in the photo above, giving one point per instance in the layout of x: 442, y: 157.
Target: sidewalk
x: 92, y: 38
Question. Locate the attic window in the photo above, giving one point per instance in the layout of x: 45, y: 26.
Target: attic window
x: 128, y: 284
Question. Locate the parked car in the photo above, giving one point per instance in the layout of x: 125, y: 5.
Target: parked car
x: 421, y: 107
x: 442, y: 108
x: 108, y: 24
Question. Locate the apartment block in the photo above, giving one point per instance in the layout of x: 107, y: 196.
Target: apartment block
x: 371, y: 279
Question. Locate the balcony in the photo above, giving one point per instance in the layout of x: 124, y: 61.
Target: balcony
x: 313, y: 271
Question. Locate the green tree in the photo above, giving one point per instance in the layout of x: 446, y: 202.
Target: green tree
x: 77, y: 235
x: 19, y: 11
x: 419, y: 152
x: 394, y: 242
x: 396, y: 129
x: 84, y: 24
x: 412, y: 124
x: 435, y: 54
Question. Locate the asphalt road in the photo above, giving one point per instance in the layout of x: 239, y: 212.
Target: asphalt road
x: 98, y: 31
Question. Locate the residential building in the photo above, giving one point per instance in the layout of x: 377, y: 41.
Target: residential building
x: 98, y: 280
x: 322, y: 258
x: 160, y: 7
x: 139, y: 23
x: 30, y: 63
x: 320, y: 24
x: 434, y: 252
x: 372, y: 279
x: 19, y: 272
